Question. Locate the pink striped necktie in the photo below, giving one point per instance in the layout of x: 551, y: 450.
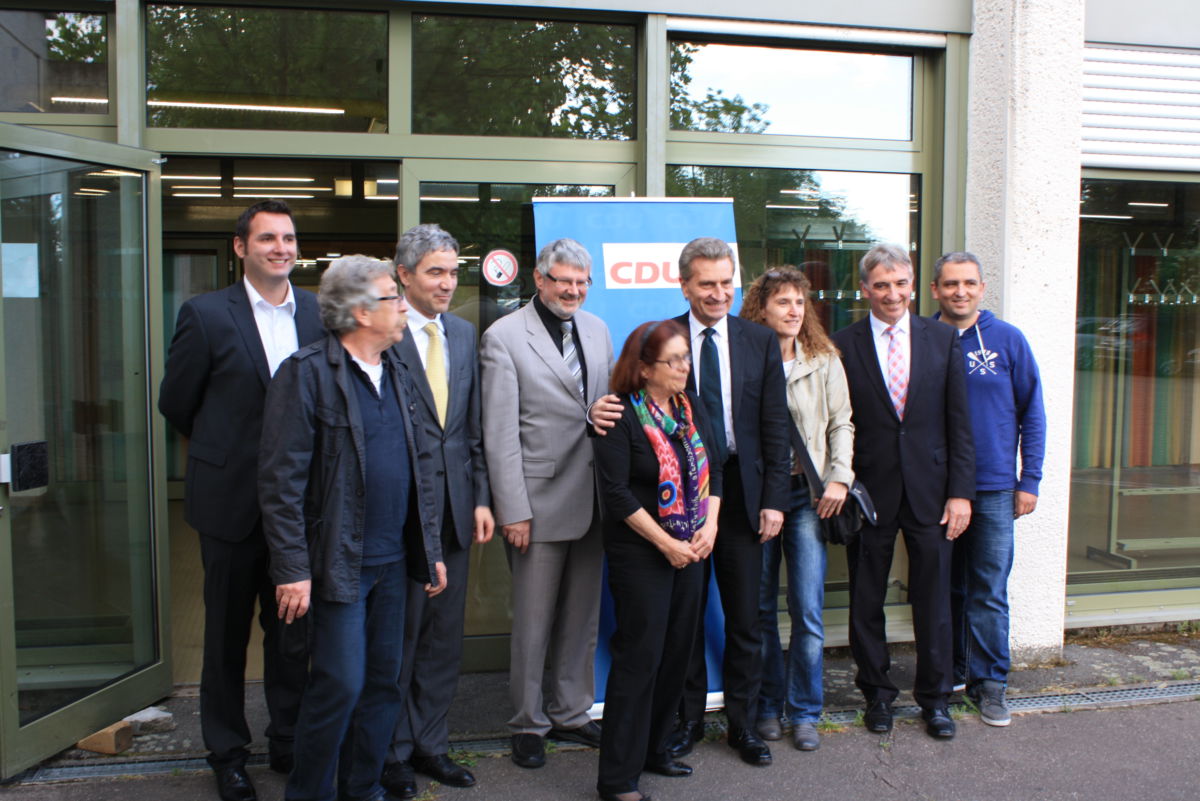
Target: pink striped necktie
x: 897, y: 372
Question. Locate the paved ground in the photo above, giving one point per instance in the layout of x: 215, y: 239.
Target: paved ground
x: 1072, y: 752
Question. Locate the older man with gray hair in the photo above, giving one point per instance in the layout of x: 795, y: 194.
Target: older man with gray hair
x: 341, y: 468
x: 543, y: 366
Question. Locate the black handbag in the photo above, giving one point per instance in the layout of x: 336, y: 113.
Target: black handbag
x: 858, y: 508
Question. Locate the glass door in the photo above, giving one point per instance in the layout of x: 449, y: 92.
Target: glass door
x: 80, y: 599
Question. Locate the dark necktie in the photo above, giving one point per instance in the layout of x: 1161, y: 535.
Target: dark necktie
x: 710, y: 394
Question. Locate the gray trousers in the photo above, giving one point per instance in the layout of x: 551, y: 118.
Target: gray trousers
x: 556, y: 609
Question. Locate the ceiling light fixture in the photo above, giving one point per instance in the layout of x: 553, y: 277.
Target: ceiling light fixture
x: 244, y: 107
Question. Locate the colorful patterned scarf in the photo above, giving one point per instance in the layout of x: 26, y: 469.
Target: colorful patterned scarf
x: 680, y: 513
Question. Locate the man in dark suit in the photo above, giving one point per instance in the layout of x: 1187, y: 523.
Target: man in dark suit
x: 442, y: 358
x: 913, y: 451
x: 741, y: 383
x: 227, y: 345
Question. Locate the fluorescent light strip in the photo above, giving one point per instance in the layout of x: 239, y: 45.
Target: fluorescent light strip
x: 284, y: 189
x: 85, y: 190
x: 113, y: 173
x: 191, y: 177
x: 383, y: 197
x: 245, y: 107
x: 455, y: 199
x: 192, y: 186
x: 1106, y: 216
x: 1149, y: 205
x: 237, y: 194
x: 271, y: 179
x: 94, y: 100
x: 195, y: 194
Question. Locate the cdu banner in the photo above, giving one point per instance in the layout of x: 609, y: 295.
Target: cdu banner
x: 635, y: 245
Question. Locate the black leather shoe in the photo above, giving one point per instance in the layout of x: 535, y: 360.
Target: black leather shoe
x: 399, y: 780
x: 444, y: 769
x: 750, y: 747
x: 938, y: 723
x: 528, y: 750
x: 878, y: 717
x: 669, y: 767
x: 234, y: 785
x: 685, y: 737
x: 587, y: 734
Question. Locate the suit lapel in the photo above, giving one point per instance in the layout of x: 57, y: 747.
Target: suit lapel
x: 736, y: 370
x: 687, y: 334
x: 918, y: 353
x: 547, y: 351
x: 459, y: 344
x: 308, y: 318
x: 406, y: 350
x: 243, y: 319
x: 865, y: 345
x: 593, y: 356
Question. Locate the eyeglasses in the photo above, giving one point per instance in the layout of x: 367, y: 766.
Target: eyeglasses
x: 393, y: 298
x: 676, y: 362
x: 570, y: 283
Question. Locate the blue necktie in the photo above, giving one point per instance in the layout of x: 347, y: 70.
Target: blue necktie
x: 710, y: 394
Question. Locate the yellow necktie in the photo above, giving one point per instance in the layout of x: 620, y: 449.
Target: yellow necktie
x: 435, y: 371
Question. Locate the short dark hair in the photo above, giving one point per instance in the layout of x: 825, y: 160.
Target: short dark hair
x: 703, y: 247
x: 242, y: 229
x: 642, y: 347
x: 956, y: 257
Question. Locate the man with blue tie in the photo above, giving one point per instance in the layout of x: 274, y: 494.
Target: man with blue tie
x: 738, y: 375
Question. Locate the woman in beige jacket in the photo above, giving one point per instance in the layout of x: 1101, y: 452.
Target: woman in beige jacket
x: 819, y: 403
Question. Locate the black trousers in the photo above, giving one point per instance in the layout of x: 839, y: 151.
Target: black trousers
x: 929, y: 556
x: 235, y: 576
x: 657, y: 608
x: 433, y: 646
x: 737, y: 561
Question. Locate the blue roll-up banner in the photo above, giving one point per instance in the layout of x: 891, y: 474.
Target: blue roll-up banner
x: 635, y: 245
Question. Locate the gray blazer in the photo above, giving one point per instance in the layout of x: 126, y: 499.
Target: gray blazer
x: 535, y: 425
x: 458, y: 448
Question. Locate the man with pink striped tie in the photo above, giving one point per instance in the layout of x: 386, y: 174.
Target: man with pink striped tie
x: 914, y: 452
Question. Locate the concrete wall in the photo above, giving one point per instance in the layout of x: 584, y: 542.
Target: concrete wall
x: 1156, y: 23
x: 1022, y: 219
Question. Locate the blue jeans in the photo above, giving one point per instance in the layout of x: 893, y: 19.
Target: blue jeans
x: 983, y: 558
x: 353, y: 695
x: 795, y: 685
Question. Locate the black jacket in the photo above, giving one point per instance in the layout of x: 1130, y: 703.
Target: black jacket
x: 311, y: 474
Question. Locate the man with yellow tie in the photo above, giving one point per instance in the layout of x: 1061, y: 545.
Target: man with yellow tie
x: 442, y: 358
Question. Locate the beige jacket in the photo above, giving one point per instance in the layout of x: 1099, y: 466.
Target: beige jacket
x: 818, y: 399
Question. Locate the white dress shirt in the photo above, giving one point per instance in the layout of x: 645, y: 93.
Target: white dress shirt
x: 882, y: 340
x: 276, y: 325
x: 721, y: 339
x: 416, y: 330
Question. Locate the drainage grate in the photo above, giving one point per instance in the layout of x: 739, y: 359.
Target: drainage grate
x: 1092, y: 698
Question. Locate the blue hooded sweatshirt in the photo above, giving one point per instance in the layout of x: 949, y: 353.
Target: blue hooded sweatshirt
x: 1004, y: 392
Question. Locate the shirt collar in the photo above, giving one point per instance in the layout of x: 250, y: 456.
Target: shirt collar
x: 289, y: 300
x: 879, y: 326
x: 418, y: 321
x: 721, y: 327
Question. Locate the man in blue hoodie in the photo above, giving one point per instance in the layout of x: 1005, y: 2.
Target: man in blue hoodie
x: 1004, y: 394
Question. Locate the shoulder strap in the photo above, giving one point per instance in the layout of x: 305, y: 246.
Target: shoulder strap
x: 815, y: 485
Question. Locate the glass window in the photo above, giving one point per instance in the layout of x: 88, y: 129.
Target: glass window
x: 485, y: 217
x: 1135, y: 494
x: 775, y: 90
x: 512, y: 77
x: 53, y: 62
x: 279, y: 69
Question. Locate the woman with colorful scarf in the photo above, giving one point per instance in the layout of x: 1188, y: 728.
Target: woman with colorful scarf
x: 660, y: 494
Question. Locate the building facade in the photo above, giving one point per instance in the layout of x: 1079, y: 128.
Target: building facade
x: 1059, y: 141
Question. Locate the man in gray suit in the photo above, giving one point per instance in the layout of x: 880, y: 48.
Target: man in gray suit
x: 442, y: 359
x: 543, y: 366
